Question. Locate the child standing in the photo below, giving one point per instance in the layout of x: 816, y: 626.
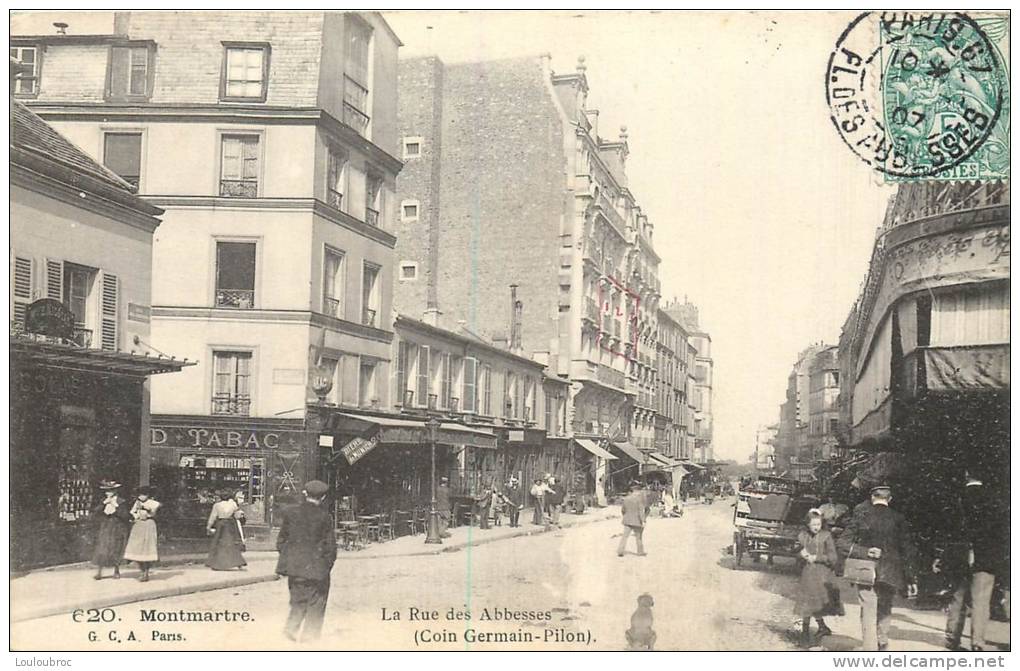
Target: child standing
x: 142, y: 544
x: 818, y: 551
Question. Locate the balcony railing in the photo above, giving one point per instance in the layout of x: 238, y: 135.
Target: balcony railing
x: 239, y: 188
x: 355, y: 118
x: 225, y: 404
x: 334, y: 199
x: 243, y: 299
x: 371, y: 217
x: 82, y: 337
x: 331, y: 306
x: 368, y: 317
x: 591, y: 310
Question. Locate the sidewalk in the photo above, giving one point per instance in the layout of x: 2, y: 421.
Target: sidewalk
x: 63, y: 589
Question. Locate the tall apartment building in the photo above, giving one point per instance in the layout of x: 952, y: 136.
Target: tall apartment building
x: 550, y: 211
x: 794, y: 451
x: 671, y: 388
x: 270, y: 140
x: 701, y: 370
x: 823, y: 405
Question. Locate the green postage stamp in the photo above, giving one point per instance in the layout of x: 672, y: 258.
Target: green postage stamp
x: 924, y: 96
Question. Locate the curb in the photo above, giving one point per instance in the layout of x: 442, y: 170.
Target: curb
x: 457, y: 547
x: 107, y: 602
x: 241, y: 581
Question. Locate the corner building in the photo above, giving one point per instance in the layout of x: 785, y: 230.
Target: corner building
x: 270, y: 141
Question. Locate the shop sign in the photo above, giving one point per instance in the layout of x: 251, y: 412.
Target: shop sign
x: 139, y: 313
x: 246, y: 439
x: 358, y: 448
x: 49, y: 317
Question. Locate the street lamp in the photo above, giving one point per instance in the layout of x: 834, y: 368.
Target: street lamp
x: 432, y: 535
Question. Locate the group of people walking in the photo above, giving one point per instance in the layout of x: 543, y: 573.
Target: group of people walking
x: 489, y: 506
x: 875, y: 554
x: 127, y: 530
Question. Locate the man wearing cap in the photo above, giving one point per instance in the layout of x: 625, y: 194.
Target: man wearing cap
x: 443, y: 506
x: 307, y: 547
x: 881, y: 534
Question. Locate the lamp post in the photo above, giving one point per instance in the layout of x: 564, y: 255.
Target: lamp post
x: 432, y: 535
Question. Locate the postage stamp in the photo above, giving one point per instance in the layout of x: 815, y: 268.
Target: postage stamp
x: 923, y: 96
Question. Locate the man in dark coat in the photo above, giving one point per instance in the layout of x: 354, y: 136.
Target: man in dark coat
x: 634, y: 509
x: 879, y: 533
x: 986, y: 529
x: 443, y: 506
x: 307, y: 547
x: 514, y: 496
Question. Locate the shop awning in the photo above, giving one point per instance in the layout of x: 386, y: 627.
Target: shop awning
x: 692, y: 465
x: 631, y: 451
x: 667, y: 461
x: 404, y: 431
x: 62, y: 356
x: 594, y: 448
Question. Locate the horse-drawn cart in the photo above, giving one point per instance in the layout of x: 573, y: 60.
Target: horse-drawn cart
x: 767, y: 518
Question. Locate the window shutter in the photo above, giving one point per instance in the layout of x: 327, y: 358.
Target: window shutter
x: 55, y: 280
x: 109, y: 313
x: 401, y: 372
x: 120, y: 71
x: 423, y: 375
x: 21, y: 287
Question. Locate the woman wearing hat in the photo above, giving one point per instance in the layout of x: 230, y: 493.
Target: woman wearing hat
x: 224, y: 527
x: 142, y: 543
x: 114, y: 517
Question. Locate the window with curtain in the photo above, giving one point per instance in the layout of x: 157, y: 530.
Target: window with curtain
x: 333, y: 283
x: 245, y: 71
x: 239, y: 166
x: 231, y: 383
x: 336, y: 178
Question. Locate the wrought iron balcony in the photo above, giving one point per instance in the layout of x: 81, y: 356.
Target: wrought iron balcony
x: 371, y: 217
x: 239, y: 188
x: 355, y: 118
x: 226, y: 404
x: 243, y: 299
x: 334, y: 199
x: 331, y: 306
x: 82, y: 337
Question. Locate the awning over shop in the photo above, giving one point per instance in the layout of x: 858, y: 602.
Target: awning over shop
x: 401, y: 431
x: 693, y: 466
x: 631, y: 451
x: 63, y: 356
x: 594, y: 448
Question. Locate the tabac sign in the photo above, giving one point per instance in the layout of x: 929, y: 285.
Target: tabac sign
x: 241, y: 439
x: 358, y: 448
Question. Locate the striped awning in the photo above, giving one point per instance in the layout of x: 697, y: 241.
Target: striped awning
x: 594, y: 448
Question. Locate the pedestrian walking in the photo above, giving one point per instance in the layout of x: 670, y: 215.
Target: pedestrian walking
x: 554, y: 500
x: 307, y: 547
x: 880, y: 560
x: 987, y: 534
x: 515, y: 502
x: 443, y: 506
x: 483, y: 505
x: 114, y: 515
x: 634, y: 510
x: 224, y: 525
x: 538, y: 492
x: 818, y: 554
x: 143, y: 544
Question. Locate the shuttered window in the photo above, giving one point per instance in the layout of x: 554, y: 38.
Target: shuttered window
x: 401, y: 372
x: 422, y: 392
x: 470, y: 391
x: 245, y: 71
x: 130, y: 70
x: 55, y: 280
x: 21, y: 289
x: 110, y: 314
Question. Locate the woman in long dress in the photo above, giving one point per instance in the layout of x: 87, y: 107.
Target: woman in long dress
x: 224, y: 527
x: 818, y: 552
x: 142, y: 545
x: 114, y: 517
